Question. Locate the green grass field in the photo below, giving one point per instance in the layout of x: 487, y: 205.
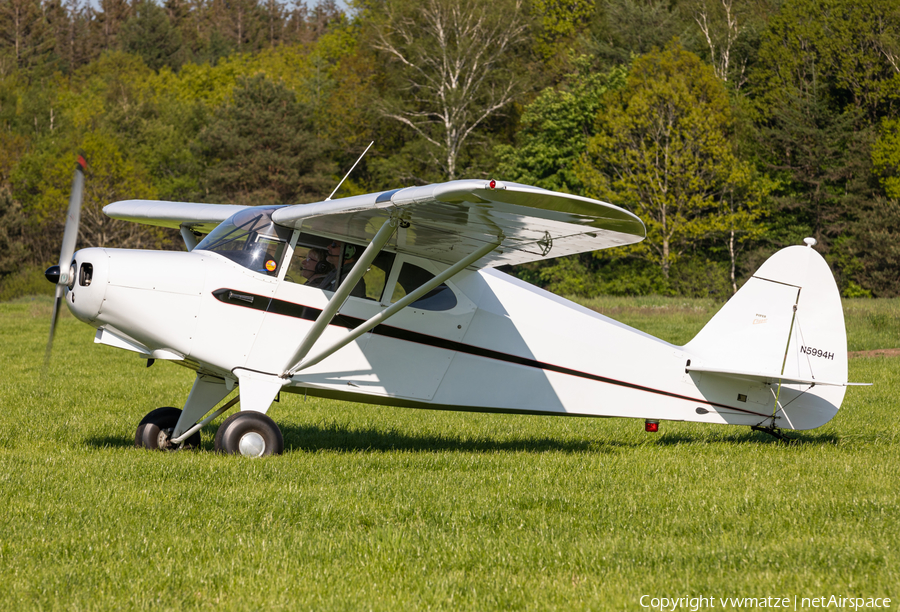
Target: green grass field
x: 386, y: 509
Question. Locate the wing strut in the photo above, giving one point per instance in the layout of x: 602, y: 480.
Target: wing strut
x: 190, y: 241
x: 393, y: 308
x: 343, y: 291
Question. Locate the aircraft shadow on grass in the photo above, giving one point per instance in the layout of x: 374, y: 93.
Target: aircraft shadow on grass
x: 346, y: 439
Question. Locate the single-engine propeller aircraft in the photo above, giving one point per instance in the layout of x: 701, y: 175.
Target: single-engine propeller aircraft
x: 394, y: 298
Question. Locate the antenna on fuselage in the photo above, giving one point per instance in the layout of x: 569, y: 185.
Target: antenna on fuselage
x: 349, y: 171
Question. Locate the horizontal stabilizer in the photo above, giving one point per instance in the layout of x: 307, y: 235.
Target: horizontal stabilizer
x: 770, y: 378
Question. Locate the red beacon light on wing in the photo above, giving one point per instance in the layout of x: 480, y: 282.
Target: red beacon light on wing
x: 651, y: 426
x: 492, y: 184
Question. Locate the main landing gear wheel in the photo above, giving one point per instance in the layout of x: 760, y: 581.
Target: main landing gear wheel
x: 155, y: 431
x: 251, y: 434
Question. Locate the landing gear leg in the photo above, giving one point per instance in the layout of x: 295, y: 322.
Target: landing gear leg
x: 155, y: 431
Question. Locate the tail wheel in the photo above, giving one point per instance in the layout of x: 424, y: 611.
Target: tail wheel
x: 251, y: 434
x: 155, y: 431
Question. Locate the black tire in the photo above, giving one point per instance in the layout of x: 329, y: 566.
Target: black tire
x: 242, y: 426
x: 155, y: 430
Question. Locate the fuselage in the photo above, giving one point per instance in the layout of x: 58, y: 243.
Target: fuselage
x: 504, y: 346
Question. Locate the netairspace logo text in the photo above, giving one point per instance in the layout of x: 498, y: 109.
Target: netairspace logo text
x: 694, y: 604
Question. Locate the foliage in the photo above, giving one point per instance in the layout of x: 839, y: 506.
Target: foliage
x: 99, y: 110
x: 825, y: 81
x: 260, y: 148
x: 554, y: 130
x: 623, y: 29
x: 875, y: 248
x: 808, y: 115
x: 818, y: 152
x: 662, y: 150
x: 560, y: 22
x: 731, y: 32
x: 847, y: 48
x: 569, y: 276
x: 25, y: 281
x: 149, y: 34
x: 886, y: 157
x: 12, y: 246
x: 13, y: 224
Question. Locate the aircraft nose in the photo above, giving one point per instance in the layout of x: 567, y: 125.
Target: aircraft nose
x: 88, y: 284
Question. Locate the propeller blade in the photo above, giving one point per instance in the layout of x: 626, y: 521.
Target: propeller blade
x: 63, y: 274
x: 57, y: 303
x: 70, y: 236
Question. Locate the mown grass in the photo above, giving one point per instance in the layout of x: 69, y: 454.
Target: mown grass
x: 384, y: 509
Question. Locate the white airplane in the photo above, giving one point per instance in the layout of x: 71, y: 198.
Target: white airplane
x: 412, y: 312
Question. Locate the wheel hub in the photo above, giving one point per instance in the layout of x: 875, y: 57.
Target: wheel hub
x: 252, y: 444
x: 163, y: 439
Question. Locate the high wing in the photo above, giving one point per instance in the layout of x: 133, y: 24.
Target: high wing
x: 443, y: 222
x: 448, y: 221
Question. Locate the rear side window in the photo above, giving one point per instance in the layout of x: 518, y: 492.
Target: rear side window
x: 376, y: 276
x: 411, y: 278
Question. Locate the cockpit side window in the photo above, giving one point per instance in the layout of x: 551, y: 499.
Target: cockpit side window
x: 324, y: 264
x: 251, y: 239
x: 309, y: 265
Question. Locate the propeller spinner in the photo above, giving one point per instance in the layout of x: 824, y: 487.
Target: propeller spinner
x: 63, y: 275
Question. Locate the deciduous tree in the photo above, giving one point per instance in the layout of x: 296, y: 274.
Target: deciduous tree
x: 821, y: 157
x: 886, y: 157
x: 662, y: 150
x: 559, y: 22
x: 454, y: 68
x: 554, y: 130
x: 730, y: 32
x: 847, y: 49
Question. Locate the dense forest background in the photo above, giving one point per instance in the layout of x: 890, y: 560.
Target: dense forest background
x: 732, y: 128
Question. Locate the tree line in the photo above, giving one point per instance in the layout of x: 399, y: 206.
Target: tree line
x: 732, y: 128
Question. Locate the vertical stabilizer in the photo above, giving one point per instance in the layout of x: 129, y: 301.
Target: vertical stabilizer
x: 788, y: 321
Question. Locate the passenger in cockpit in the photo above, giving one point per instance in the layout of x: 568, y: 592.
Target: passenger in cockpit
x: 343, y: 255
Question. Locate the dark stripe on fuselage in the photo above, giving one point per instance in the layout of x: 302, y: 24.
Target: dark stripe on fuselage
x: 299, y: 311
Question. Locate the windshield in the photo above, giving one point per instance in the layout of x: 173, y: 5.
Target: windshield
x: 251, y: 239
